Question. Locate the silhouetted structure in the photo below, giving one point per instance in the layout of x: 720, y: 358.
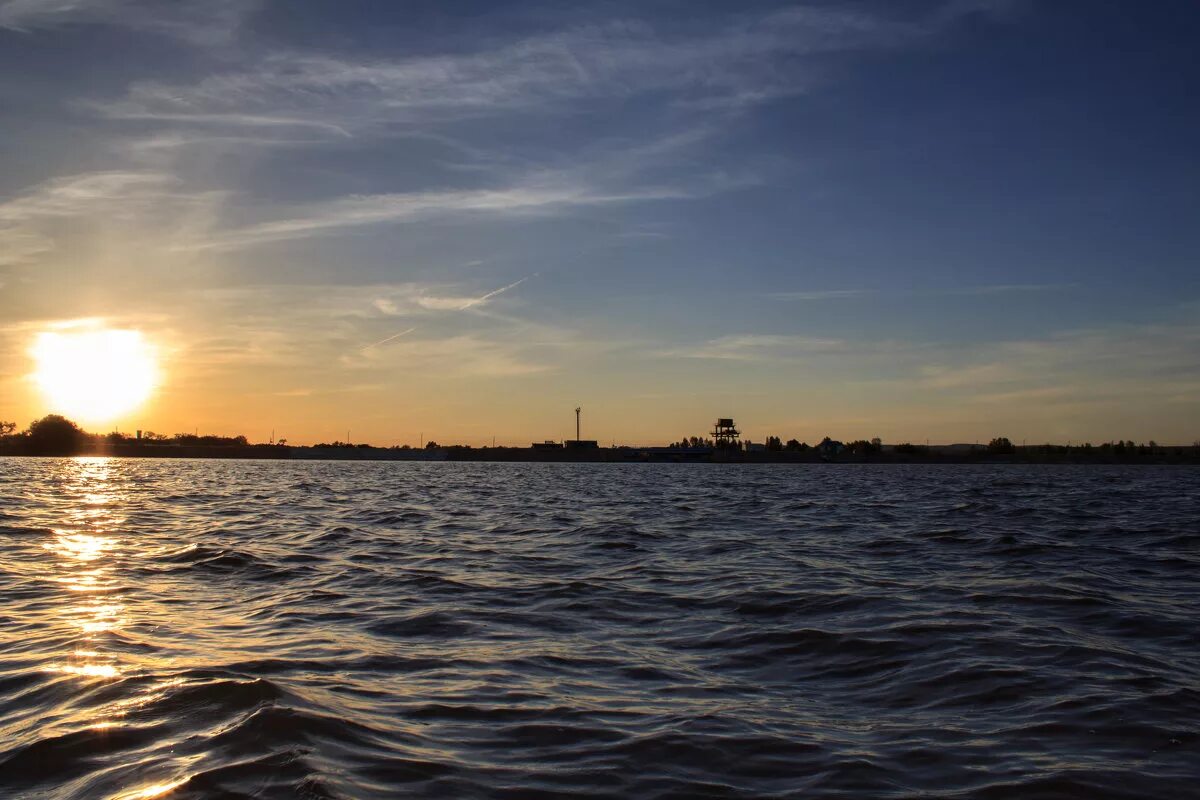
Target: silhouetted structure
x: 725, y: 434
x: 577, y: 443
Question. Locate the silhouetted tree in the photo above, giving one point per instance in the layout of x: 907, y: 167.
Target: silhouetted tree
x: 796, y: 446
x: 210, y: 440
x: 7, y: 428
x: 55, y: 435
x: 1001, y: 445
x: 431, y: 445
x: 774, y: 444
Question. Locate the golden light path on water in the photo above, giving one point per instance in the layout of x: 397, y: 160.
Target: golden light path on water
x: 86, y: 550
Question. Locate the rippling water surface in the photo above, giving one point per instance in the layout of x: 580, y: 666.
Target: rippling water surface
x: 270, y: 629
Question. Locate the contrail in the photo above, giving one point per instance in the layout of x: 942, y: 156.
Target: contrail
x: 463, y: 307
x: 388, y: 339
x: 490, y: 295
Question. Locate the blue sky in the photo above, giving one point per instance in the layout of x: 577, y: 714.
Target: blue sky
x: 943, y: 220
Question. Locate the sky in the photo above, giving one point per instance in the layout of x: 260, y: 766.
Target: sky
x: 945, y: 220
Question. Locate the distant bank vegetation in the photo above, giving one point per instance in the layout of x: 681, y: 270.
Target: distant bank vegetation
x: 57, y: 435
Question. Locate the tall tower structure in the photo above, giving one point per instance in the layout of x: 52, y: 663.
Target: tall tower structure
x: 577, y: 410
x: 725, y: 434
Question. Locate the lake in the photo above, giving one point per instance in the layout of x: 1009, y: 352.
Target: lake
x: 191, y: 629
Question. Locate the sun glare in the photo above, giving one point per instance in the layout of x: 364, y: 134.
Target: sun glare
x: 94, y: 375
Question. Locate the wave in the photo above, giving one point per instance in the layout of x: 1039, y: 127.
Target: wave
x: 211, y: 629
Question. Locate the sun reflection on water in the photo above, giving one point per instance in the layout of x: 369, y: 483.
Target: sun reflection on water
x: 153, y: 790
x: 80, y: 546
x: 87, y: 545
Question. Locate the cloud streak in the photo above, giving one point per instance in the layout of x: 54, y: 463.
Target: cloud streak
x: 363, y: 210
x: 205, y: 23
x: 590, y: 63
x: 391, y: 338
x: 32, y: 222
x: 495, y: 293
x: 962, y: 291
x: 758, y: 347
x: 432, y: 302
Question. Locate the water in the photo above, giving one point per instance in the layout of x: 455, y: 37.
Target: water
x: 265, y: 629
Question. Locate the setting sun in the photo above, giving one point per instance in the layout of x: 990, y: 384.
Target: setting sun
x: 95, y: 375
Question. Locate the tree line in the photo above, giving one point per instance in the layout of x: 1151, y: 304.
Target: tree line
x: 57, y: 435
x: 775, y: 444
x: 54, y: 434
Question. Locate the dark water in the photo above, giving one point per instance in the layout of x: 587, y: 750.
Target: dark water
x: 266, y: 629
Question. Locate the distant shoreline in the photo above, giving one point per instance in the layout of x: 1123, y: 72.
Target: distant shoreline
x: 660, y: 455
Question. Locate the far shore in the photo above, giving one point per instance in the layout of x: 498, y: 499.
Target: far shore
x: 949, y: 454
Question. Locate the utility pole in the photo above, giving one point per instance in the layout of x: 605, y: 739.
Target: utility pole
x: 577, y: 410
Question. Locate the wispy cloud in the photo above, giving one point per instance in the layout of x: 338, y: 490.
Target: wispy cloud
x: 1076, y: 369
x: 363, y: 210
x: 31, y: 222
x: 746, y: 61
x: 821, y: 294
x: 587, y: 63
x: 455, y: 356
x: 78, y: 194
x: 208, y: 22
x: 1003, y: 288
x: 439, y: 303
x: 294, y: 98
x: 960, y: 291
x: 757, y: 347
x: 463, y: 304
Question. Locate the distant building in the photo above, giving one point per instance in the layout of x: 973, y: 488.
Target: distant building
x: 751, y: 447
x: 546, y: 445
x: 581, y: 444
